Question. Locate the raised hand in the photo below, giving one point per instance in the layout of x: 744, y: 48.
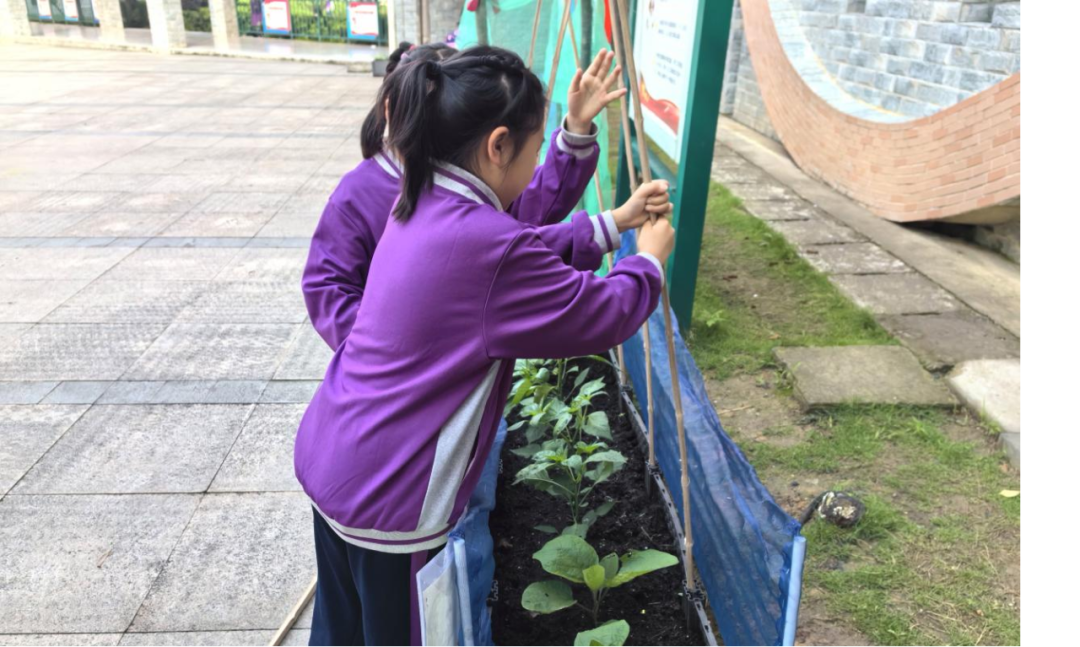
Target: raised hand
x: 590, y: 92
x: 650, y: 199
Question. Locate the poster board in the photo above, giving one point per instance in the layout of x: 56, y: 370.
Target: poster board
x: 364, y: 20
x: 664, y: 50
x: 44, y: 10
x: 71, y: 10
x: 277, y: 18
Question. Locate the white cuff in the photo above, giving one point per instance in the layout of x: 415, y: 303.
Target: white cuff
x: 580, y: 146
x: 612, y: 229
x: 655, y: 261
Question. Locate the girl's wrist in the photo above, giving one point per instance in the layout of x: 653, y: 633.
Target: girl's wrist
x: 578, y: 127
x: 622, y: 218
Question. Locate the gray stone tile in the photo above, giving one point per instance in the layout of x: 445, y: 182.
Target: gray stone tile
x: 256, y: 264
x: 131, y: 392
x: 165, y: 264
x: 783, y: 211
x: 27, y: 433
x: 802, y: 233
x: 30, y: 301
x: 76, y: 564
x: 835, y: 375
x: 117, y: 449
x: 73, y: 201
x: 292, y: 391
x: 206, y: 224
x: 114, y: 223
x: 24, y: 392
x: 247, y: 302
x: 242, y: 202
x: 853, y: 258
x: 183, y: 391
x: 147, y: 202
x: 25, y: 224
x: 236, y: 391
x: 76, y: 351
x: 991, y: 389
x: 214, y: 351
x: 114, y: 182
x: 290, y: 225
x: 740, y: 174
x: 306, y: 358
x: 896, y: 294
x: 46, y: 640
x: 241, y: 564
x: 198, y: 184
x: 139, y: 301
x: 76, y: 393
x: 283, y: 242
x: 943, y: 341
x: 261, y: 460
x: 764, y: 190
x: 58, y: 264
x: 306, y: 205
x: 198, y: 241
x: 11, y: 331
x: 209, y: 638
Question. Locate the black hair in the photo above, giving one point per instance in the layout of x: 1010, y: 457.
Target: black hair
x: 444, y: 109
x: 371, y: 132
x: 395, y: 56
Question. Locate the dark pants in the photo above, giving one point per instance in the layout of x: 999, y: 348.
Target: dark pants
x: 363, y: 597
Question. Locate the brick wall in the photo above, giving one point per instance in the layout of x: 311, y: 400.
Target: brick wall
x: 956, y: 164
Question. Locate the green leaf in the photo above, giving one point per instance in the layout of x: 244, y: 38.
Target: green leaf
x: 597, y: 425
x: 594, y: 577
x: 611, y: 566
x: 605, y: 507
x: 567, y: 556
x: 612, y: 633
x: 590, y: 388
x: 527, y: 451
x: 550, y: 530
x: 577, y: 529
x: 517, y: 425
x: 581, y: 378
x: 547, y: 597
x: 641, y: 563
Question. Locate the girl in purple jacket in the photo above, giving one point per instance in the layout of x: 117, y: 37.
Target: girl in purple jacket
x: 394, y: 440
x: 354, y: 218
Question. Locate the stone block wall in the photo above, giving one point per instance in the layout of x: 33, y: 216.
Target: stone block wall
x: 444, y: 15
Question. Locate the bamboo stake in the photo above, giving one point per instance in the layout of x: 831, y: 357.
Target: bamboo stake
x: 536, y: 25
x: 676, y: 391
x: 555, y: 59
x: 620, y: 56
x: 295, y: 614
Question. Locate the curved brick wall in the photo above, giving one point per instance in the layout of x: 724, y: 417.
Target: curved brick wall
x: 957, y: 164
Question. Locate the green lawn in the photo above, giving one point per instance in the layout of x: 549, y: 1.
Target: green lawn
x: 936, y: 558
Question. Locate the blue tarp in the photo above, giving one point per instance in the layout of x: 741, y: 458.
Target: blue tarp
x: 747, y: 549
x: 472, y: 528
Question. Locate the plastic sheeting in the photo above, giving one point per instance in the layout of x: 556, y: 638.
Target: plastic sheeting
x: 457, y: 604
x: 747, y: 549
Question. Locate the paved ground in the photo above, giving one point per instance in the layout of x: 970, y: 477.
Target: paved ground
x: 155, y: 354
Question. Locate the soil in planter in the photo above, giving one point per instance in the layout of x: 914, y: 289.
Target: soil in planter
x: 652, y: 604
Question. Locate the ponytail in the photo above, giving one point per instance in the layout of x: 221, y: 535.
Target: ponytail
x: 373, y: 129
x: 443, y: 110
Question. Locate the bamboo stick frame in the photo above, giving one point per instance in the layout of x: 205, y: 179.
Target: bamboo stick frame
x: 536, y: 26
x: 295, y: 613
x: 622, y: 26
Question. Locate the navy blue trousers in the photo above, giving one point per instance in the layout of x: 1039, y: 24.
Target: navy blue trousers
x: 363, y: 597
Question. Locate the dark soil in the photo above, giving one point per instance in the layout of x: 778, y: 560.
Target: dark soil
x: 652, y: 604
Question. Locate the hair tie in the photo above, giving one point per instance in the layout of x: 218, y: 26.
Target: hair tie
x: 434, y: 69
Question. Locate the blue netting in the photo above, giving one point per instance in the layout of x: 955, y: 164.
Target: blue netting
x: 744, y: 543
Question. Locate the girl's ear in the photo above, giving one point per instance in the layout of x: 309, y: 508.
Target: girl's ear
x: 499, y: 148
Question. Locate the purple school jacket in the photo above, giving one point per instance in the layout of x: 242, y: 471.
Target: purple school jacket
x: 393, y: 442
x: 355, y: 216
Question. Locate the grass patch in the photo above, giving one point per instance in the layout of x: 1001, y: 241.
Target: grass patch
x: 755, y: 293
x: 935, y: 559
